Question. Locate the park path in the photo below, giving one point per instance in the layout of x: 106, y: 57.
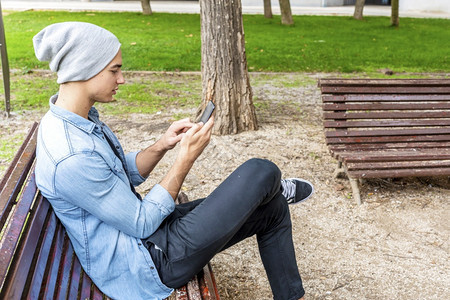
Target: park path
x: 248, y: 7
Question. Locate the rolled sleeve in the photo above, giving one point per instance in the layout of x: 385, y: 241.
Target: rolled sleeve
x: 136, y: 178
x: 162, y: 198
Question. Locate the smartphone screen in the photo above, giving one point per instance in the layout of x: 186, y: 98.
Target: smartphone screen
x: 207, y: 112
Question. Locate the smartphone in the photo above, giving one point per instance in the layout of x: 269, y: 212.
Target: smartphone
x: 207, y: 112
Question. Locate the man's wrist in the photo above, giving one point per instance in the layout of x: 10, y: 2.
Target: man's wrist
x: 159, y: 147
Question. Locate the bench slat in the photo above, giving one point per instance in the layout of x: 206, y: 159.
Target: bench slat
x: 96, y: 294
x: 399, y: 173
x: 22, y: 264
x: 386, y: 106
x: 384, y: 98
x: 181, y: 293
x: 11, y: 236
x: 203, y: 286
x: 385, y: 90
x: 349, y: 157
x: 74, y: 279
x: 16, y: 158
x: 51, y: 283
x: 383, y: 82
x: 385, y: 123
x: 193, y: 289
x: 17, y: 176
x: 387, y: 139
x: 396, y: 165
x: 65, y: 269
x: 387, y: 156
x: 44, y: 255
x: 388, y: 132
x: 385, y: 115
x: 209, y: 284
x: 85, y: 288
x: 384, y: 146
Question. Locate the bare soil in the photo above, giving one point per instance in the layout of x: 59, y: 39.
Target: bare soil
x: 393, y: 246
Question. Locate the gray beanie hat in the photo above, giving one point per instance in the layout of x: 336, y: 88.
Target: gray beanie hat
x: 77, y: 51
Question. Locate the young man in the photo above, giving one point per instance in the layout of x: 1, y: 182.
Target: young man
x: 142, y: 248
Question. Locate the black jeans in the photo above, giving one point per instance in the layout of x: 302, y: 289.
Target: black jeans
x: 248, y: 202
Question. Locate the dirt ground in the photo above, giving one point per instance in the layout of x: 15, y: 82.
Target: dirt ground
x: 393, y: 246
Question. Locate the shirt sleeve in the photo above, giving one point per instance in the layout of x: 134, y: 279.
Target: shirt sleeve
x: 136, y: 178
x: 87, y: 181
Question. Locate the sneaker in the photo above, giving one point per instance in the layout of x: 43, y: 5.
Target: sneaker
x: 296, y: 190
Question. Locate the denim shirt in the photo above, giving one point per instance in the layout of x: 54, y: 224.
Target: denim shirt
x: 89, y: 189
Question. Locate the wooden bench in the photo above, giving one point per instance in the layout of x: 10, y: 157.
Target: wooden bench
x: 387, y: 128
x: 37, y: 260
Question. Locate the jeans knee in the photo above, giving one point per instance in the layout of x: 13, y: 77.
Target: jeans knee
x: 264, y: 168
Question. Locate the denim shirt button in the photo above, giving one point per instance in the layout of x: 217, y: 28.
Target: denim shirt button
x: 151, y: 268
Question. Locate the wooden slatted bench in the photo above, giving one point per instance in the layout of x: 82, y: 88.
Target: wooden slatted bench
x: 386, y: 128
x: 37, y: 260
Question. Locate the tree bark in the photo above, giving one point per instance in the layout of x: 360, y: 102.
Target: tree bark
x: 286, y: 13
x: 146, y: 8
x: 359, y: 7
x: 225, y: 78
x: 395, y: 20
x: 268, y: 9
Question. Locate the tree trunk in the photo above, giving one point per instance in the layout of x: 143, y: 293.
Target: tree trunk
x: 359, y: 6
x: 267, y: 9
x: 146, y: 8
x: 394, y: 13
x: 225, y: 78
x: 286, y: 13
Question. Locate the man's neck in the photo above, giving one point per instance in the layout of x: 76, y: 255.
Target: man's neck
x: 72, y: 98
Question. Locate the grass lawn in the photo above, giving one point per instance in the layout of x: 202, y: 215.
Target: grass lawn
x: 315, y: 44
x: 171, y: 42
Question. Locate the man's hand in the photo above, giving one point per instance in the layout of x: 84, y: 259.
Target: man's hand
x: 148, y: 158
x: 192, y: 144
x: 175, y: 133
x: 195, y: 140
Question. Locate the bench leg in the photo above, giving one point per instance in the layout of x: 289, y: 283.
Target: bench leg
x: 340, y: 171
x: 355, y: 190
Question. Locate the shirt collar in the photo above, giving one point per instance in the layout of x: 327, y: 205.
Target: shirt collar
x: 74, y: 119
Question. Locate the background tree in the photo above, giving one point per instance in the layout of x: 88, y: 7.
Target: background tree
x: 146, y: 8
x: 267, y: 9
x: 359, y: 7
x: 225, y: 78
x: 286, y: 12
x: 395, y: 20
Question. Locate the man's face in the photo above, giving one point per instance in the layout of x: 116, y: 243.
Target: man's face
x: 103, y: 86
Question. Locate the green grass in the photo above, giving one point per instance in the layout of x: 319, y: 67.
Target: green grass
x: 149, y: 93
x: 171, y: 42
x: 142, y: 93
x: 32, y: 92
x: 8, y: 148
x: 159, y: 42
x: 315, y: 44
x: 156, y: 92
